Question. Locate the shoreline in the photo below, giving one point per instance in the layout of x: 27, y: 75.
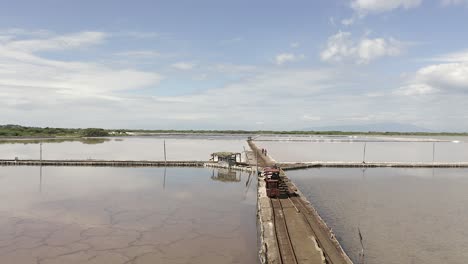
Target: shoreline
x: 19, y: 132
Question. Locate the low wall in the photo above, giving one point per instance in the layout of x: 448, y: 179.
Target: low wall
x: 268, y: 246
x: 224, y: 166
x: 102, y: 163
x: 320, y: 164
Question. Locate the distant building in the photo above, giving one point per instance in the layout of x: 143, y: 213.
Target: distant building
x: 228, y: 158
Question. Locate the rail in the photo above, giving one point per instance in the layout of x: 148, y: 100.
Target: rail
x: 285, y: 256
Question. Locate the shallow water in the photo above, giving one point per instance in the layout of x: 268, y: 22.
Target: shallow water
x: 126, y: 148
x: 405, y: 215
x: 119, y: 215
x: 283, y: 148
x: 454, y: 150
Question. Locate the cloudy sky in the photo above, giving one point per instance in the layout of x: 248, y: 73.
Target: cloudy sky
x: 218, y: 64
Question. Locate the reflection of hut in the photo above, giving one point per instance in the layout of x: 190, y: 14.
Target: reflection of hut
x: 226, y: 176
x: 228, y: 158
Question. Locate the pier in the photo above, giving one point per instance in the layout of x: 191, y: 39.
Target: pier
x: 291, y: 230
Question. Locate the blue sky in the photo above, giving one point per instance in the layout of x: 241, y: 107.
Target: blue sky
x: 234, y: 64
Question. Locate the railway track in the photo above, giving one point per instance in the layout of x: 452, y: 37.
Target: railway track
x: 307, y: 239
x: 302, y: 209
x: 285, y: 246
x: 283, y: 239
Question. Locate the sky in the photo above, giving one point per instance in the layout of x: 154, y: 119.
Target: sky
x: 218, y: 64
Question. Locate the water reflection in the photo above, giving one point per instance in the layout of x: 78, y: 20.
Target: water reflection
x: 40, y: 179
x: 385, y: 151
x: 248, y: 183
x: 89, y: 141
x: 124, y: 148
x: 405, y: 215
x: 164, y: 180
x: 120, y: 215
x: 226, y: 175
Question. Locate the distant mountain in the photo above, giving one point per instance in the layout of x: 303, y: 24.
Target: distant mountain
x: 376, y: 127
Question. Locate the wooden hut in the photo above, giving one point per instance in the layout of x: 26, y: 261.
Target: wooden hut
x: 228, y: 158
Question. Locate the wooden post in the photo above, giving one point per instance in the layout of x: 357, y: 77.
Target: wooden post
x: 246, y: 157
x: 40, y: 152
x: 164, y: 181
x: 165, y: 160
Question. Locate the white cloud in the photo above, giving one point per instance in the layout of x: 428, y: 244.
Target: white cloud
x: 24, y: 73
x: 38, y: 90
x: 308, y: 93
x: 370, y: 49
x: 207, y: 109
x: 415, y: 89
x: 446, y: 77
x: 234, y: 68
x: 282, y: 58
x: 140, y: 54
x: 339, y: 46
x: 461, y: 56
x: 454, y: 2
x: 364, y: 7
x: 348, y: 21
x: 183, y: 66
x: 69, y: 41
x: 24, y: 32
x: 342, y: 47
x: 136, y: 34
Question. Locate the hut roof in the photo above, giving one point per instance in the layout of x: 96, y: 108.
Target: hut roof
x: 224, y: 154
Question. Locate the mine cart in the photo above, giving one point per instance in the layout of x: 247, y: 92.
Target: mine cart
x: 272, y: 181
x: 272, y: 173
x: 272, y: 188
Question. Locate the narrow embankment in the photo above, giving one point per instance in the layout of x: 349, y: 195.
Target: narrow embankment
x: 263, y: 159
x: 103, y: 163
x: 345, y: 164
x: 309, y: 240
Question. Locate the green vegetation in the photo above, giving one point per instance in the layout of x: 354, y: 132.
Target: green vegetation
x: 95, y: 132
x: 48, y: 132
x: 26, y: 141
x: 32, y: 132
x: 21, y: 131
